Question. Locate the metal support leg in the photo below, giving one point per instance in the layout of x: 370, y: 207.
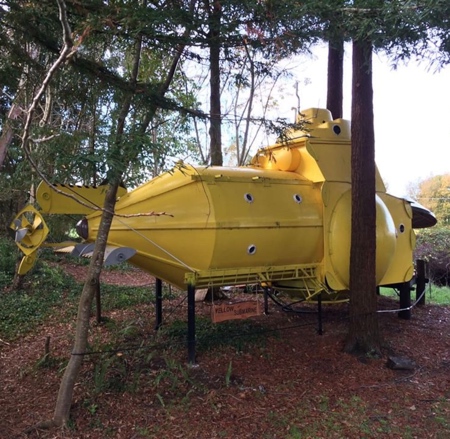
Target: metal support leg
x: 405, y: 301
x: 319, y: 313
x: 191, y: 324
x: 266, y: 300
x: 158, y: 303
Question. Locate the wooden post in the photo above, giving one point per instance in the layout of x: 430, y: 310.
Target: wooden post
x: 191, y: 324
x: 158, y: 303
x: 405, y: 301
x: 421, y: 281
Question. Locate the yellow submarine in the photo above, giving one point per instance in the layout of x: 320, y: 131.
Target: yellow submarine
x: 284, y: 220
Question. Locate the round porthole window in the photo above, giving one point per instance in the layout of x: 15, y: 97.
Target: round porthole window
x: 251, y: 250
x: 297, y: 198
x: 248, y: 197
x: 401, y: 228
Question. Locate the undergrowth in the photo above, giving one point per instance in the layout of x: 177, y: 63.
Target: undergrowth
x: 239, y: 335
x: 48, y: 291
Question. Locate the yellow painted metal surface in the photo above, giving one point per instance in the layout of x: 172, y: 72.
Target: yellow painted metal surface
x: 235, y: 219
x: 27, y: 263
x: 71, y: 199
x: 337, y: 261
x: 401, y: 268
x: 284, y: 220
x: 32, y: 229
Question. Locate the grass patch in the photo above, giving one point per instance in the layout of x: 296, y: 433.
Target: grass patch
x: 434, y: 294
x: 438, y: 295
x: 322, y: 416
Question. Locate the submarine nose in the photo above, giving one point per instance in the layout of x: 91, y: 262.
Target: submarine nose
x: 82, y: 228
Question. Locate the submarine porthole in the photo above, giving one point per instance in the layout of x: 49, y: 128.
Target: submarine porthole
x: 401, y: 228
x: 337, y: 129
x: 248, y: 197
x: 298, y: 198
x: 251, y: 250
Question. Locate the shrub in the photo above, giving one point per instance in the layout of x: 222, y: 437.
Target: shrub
x: 8, y: 258
x: 433, y: 245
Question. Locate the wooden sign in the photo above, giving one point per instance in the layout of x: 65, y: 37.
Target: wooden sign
x: 235, y: 311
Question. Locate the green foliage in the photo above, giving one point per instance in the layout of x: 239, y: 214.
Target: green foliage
x: 47, y: 288
x: 433, y: 245
x: 110, y: 374
x: 50, y: 291
x: 434, y: 194
x: 120, y: 297
x: 9, y: 255
x: 62, y: 227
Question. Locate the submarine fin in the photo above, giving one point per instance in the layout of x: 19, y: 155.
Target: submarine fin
x: 27, y: 263
x: 83, y: 249
x: 117, y: 255
x: 61, y: 247
x: 422, y: 217
x: 113, y: 255
x: 72, y: 199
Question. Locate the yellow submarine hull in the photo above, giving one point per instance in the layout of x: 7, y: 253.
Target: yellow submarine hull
x: 284, y: 220
x: 224, y: 225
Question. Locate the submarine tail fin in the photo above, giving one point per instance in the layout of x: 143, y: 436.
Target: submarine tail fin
x: 113, y: 254
x: 72, y: 199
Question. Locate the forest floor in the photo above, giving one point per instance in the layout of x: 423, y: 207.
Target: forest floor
x: 273, y: 377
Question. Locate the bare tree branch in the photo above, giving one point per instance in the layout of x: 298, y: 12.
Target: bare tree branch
x: 67, y: 51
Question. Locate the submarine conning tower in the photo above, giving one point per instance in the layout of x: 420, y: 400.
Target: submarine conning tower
x: 312, y: 150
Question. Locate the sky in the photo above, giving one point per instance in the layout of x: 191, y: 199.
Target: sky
x: 411, y: 112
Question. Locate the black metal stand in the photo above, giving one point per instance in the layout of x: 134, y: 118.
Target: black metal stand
x: 158, y: 303
x: 266, y: 300
x: 191, y: 324
x: 319, y: 314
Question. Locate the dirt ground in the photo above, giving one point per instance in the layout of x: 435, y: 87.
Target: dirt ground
x: 296, y: 384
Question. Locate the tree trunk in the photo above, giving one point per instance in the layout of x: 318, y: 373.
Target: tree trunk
x: 8, y: 132
x: 364, y: 334
x: 215, y: 133
x: 335, y: 79
x: 65, y: 394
